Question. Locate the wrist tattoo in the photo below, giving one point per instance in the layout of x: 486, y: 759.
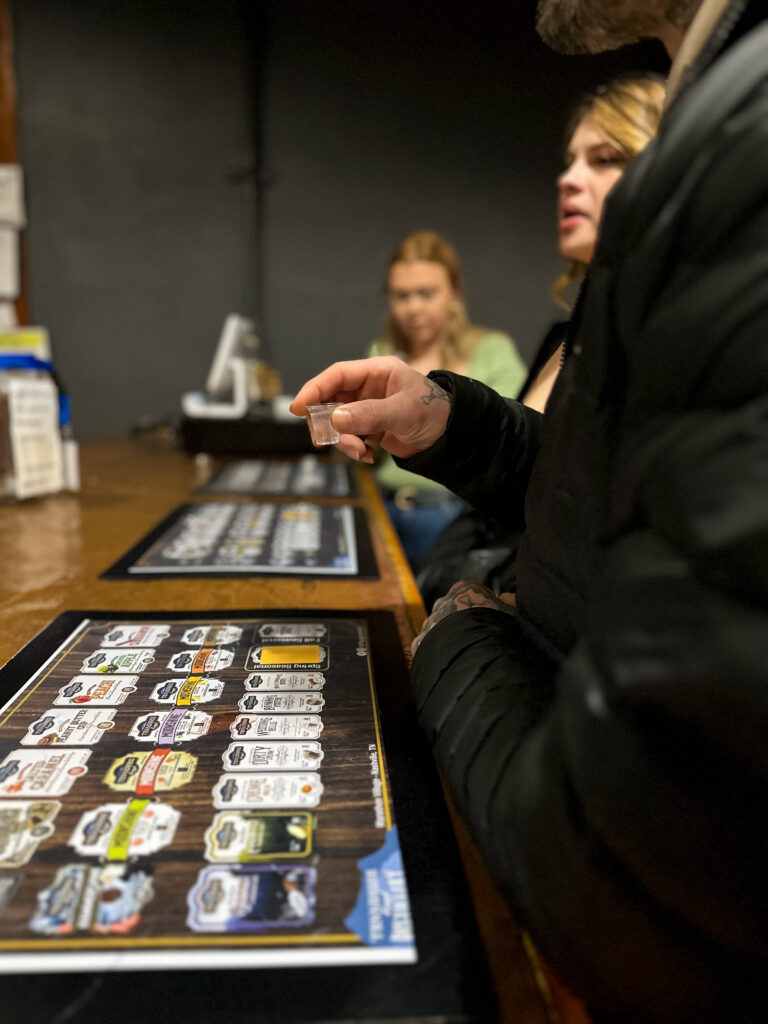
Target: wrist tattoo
x: 434, y: 391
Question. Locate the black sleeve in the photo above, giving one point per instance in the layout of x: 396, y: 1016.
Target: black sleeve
x: 487, y: 451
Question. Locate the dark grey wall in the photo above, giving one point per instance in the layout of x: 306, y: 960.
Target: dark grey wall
x: 135, y: 130
x: 384, y: 117
x: 186, y: 158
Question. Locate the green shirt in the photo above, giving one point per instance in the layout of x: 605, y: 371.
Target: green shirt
x: 495, y: 362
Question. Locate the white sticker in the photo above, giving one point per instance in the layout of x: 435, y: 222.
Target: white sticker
x: 285, y: 681
x: 272, y: 755
x: 254, y: 727
x: 118, y: 831
x: 282, y: 703
x: 201, y: 636
x: 270, y: 789
x: 109, y: 660
x: 69, y: 727
x: 37, y: 773
x: 106, y: 691
x: 136, y: 635
x: 183, y: 692
x: 291, y: 630
x: 164, y: 728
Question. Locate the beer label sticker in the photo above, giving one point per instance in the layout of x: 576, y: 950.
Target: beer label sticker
x: 289, y: 631
x: 69, y: 727
x: 282, y: 703
x: 168, y: 727
x: 273, y: 755
x: 267, y: 789
x: 106, y: 691
x: 39, y: 773
x: 251, y: 898
x: 136, y: 635
x: 255, y: 727
x: 198, y: 663
x: 184, y: 692
x: 212, y: 636
x: 287, y: 656
x: 24, y: 824
x: 146, y: 772
x: 106, y: 900
x: 285, y: 681
x: 111, y: 660
x: 119, y: 831
x: 247, y: 836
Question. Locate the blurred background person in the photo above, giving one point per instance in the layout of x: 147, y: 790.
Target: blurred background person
x: 428, y: 327
x: 606, y: 130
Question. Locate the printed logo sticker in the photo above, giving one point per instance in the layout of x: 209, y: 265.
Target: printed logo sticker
x: 254, y: 727
x: 382, y: 914
x: 106, y: 900
x: 251, y: 898
x: 83, y: 726
x: 270, y: 789
x: 105, y: 692
x: 110, y: 660
x: 168, y: 727
x: 134, y: 635
x: 285, y: 681
x: 183, y: 693
x: 280, y: 703
x: 147, y: 772
x: 34, y: 773
x: 24, y: 824
x: 212, y: 636
x: 275, y: 756
x: 119, y: 831
x: 289, y: 631
x: 246, y: 836
x: 287, y: 656
x: 198, y: 663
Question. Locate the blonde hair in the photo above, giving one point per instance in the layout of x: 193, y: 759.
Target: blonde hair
x: 461, y: 337
x: 628, y: 111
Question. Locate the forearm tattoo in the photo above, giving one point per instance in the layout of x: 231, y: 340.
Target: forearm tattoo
x: 466, y: 594
x: 434, y: 391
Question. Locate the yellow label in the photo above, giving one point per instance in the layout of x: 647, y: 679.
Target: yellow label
x: 293, y: 654
x: 184, y: 697
x: 120, y: 840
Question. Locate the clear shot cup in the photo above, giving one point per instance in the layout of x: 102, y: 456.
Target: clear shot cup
x: 321, y: 430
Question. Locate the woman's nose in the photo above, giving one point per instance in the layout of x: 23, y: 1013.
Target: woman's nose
x: 571, y: 179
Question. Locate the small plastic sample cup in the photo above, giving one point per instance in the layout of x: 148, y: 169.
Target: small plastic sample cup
x: 321, y: 430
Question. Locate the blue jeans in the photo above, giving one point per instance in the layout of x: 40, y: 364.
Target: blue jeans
x: 419, y: 527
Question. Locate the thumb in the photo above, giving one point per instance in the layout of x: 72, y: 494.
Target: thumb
x: 369, y: 416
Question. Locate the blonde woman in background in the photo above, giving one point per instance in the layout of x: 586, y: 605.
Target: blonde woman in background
x: 608, y: 128
x: 428, y: 327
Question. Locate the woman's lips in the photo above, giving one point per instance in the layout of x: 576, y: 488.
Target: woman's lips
x: 571, y: 220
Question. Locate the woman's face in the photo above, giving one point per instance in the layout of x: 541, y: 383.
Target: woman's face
x: 420, y: 298
x: 593, y: 166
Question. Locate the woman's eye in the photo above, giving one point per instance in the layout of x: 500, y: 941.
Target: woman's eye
x: 610, y: 160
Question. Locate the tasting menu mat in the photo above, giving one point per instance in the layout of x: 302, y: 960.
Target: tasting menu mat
x: 183, y: 793
x: 306, y: 477
x: 244, y: 538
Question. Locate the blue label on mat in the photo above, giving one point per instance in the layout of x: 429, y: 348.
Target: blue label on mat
x: 382, y: 914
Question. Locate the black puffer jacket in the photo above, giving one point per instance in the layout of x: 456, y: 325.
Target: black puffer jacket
x: 609, y: 743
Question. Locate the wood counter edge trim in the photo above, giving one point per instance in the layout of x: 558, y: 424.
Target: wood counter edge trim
x: 408, y: 589
x: 561, y: 1006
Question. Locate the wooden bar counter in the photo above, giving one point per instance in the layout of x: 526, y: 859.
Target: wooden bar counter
x: 53, y: 550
